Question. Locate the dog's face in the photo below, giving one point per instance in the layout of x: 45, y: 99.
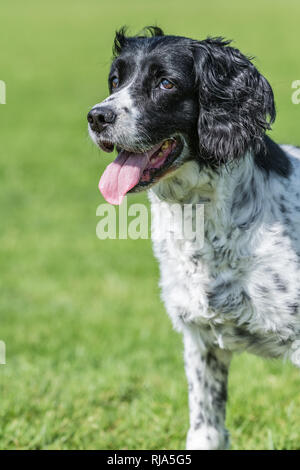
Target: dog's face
x: 173, y: 99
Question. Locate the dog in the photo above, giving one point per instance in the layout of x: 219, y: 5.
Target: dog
x: 189, y: 120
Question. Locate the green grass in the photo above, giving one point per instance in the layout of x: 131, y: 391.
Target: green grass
x: 92, y: 361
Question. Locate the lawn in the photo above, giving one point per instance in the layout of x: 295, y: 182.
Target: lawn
x: 92, y: 360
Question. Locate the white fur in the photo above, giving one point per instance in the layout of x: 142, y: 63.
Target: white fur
x: 125, y: 129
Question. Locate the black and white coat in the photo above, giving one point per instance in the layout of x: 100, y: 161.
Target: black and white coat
x: 239, y: 289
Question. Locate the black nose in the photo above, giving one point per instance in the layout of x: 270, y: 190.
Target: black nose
x: 101, y: 117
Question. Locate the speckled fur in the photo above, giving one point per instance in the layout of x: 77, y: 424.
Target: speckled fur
x: 241, y: 289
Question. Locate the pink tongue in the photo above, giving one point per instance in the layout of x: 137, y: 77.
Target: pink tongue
x: 123, y: 174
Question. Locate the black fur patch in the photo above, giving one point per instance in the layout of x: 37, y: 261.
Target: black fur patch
x: 272, y: 158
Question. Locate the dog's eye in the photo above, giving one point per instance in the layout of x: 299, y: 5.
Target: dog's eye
x: 166, y: 84
x: 115, y: 82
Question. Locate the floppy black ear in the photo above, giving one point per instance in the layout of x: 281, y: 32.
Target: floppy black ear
x: 236, y: 103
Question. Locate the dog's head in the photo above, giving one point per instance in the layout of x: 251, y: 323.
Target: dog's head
x: 173, y: 99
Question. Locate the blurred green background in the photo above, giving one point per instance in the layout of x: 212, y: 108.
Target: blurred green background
x: 92, y: 360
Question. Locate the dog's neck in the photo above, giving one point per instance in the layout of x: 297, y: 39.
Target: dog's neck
x: 235, y: 194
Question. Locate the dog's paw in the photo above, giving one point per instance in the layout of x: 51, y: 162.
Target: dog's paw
x: 207, y: 438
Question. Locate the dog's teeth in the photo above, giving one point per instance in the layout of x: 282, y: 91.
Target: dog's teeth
x: 160, y: 154
x: 165, y: 145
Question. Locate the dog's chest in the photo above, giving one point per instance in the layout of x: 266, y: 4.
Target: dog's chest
x: 191, y: 269
x: 231, y: 288
x: 197, y: 280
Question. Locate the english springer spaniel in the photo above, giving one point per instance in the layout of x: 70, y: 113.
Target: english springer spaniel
x: 189, y: 120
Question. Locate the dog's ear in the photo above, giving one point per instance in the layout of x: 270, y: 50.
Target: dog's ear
x: 236, y: 103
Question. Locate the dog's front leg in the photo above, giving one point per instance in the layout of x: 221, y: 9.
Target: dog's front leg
x: 206, y: 371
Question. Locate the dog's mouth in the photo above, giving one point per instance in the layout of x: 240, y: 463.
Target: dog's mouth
x: 134, y: 171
